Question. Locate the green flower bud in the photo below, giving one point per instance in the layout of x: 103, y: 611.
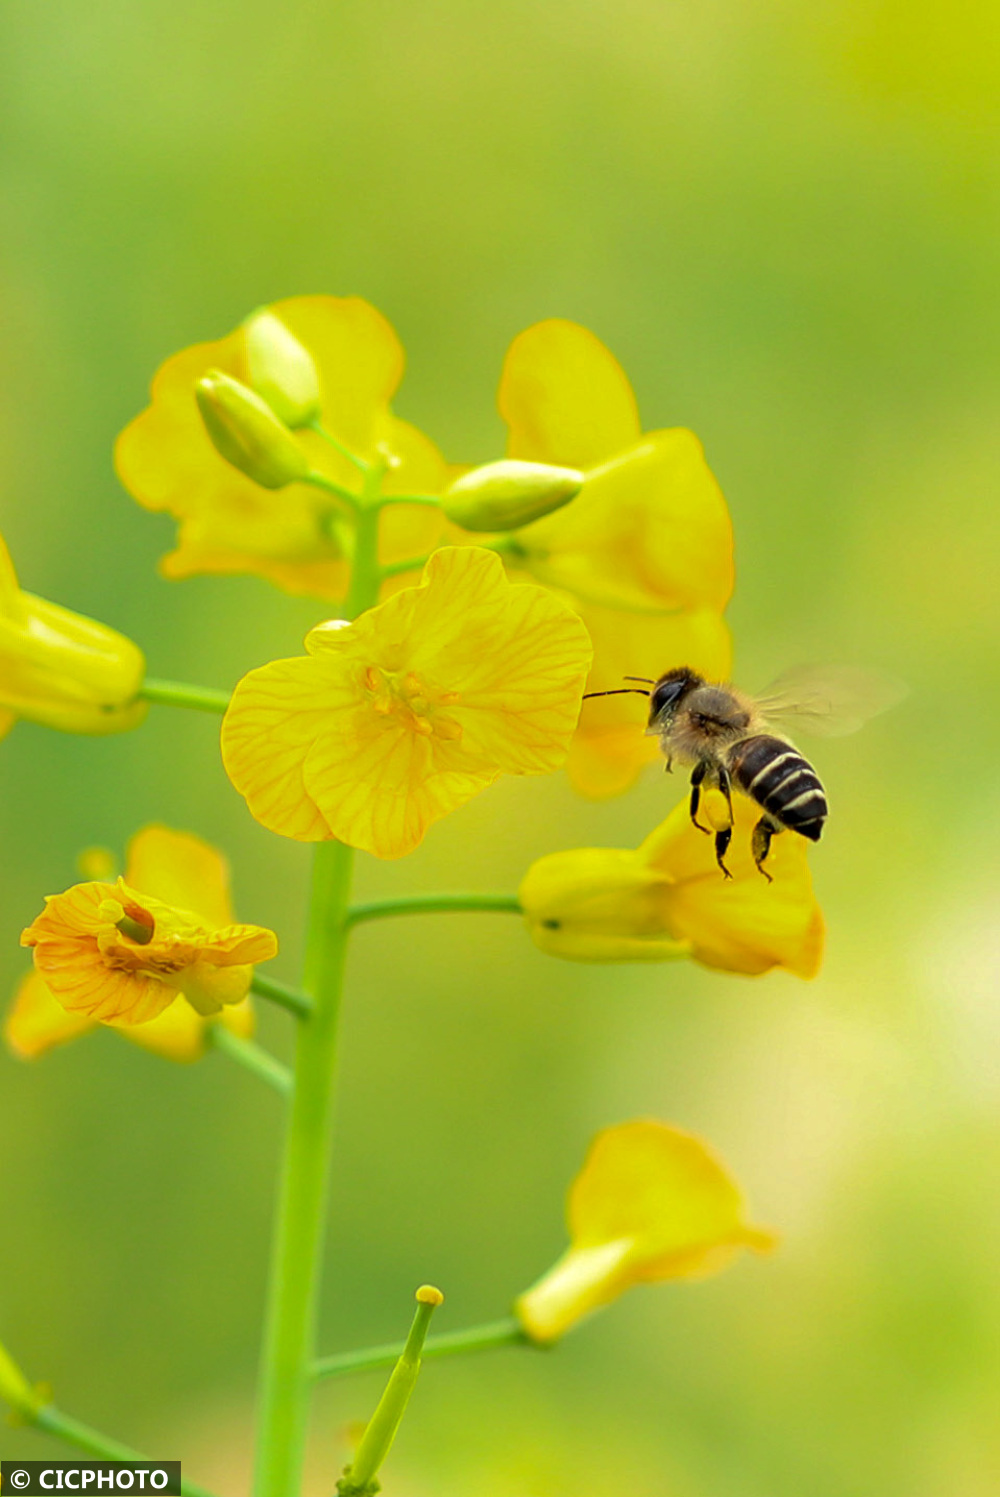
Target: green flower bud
x: 246, y: 432
x: 509, y: 494
x: 280, y: 369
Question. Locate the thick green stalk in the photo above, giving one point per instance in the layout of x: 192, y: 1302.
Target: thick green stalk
x: 294, y: 1288
x: 507, y: 1332
x: 433, y: 904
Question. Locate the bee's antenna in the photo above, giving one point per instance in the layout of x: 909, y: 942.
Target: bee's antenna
x: 619, y: 691
x: 648, y: 679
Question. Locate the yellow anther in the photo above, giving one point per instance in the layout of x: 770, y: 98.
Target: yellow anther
x: 428, y: 1295
x: 448, y: 728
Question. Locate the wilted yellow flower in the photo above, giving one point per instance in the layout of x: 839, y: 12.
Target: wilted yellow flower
x: 651, y: 1203
x: 61, y: 669
x: 391, y: 722
x: 294, y: 536
x: 668, y: 899
x: 117, y: 952
x: 644, y: 552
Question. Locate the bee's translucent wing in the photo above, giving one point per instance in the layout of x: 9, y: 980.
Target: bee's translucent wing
x: 829, y: 700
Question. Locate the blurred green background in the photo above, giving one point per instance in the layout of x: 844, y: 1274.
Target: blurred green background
x: 783, y: 218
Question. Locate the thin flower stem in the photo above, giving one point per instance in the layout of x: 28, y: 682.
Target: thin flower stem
x: 385, y: 499
x: 298, y: 1003
x: 338, y: 446
x: 412, y: 564
x: 433, y: 904
x: 252, y: 1057
x: 54, y: 1422
x: 295, y: 1269
x: 320, y: 481
x: 449, y: 1344
x: 182, y: 694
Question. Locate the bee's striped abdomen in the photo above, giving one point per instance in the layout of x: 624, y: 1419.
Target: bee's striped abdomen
x: 777, y: 777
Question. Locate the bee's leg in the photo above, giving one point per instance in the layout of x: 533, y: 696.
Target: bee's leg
x: 722, y: 841
x: 761, y: 843
x: 669, y: 766
x: 697, y: 775
x: 726, y: 786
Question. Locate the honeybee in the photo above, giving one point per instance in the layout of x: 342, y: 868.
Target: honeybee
x: 728, y: 739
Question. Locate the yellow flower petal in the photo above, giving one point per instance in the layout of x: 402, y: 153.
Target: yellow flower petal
x: 743, y: 924
x: 36, y: 1023
x: 180, y: 869
x: 652, y: 1202
x: 650, y: 531
x: 177, y: 1034
x: 402, y: 716
x: 663, y: 1188
x: 565, y: 398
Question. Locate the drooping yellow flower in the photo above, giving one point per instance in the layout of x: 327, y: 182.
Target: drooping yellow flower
x: 391, y: 722
x: 294, y: 536
x: 644, y: 552
x: 652, y: 1203
x: 120, y: 954
x: 668, y: 899
x: 61, y: 669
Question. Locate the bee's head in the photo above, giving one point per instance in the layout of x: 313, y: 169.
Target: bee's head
x: 668, y: 694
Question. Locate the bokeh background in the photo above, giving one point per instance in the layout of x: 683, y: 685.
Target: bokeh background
x: 783, y: 218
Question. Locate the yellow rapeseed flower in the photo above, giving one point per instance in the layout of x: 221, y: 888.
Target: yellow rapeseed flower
x: 61, y: 669
x: 176, y: 867
x: 294, y: 536
x: 668, y: 899
x: 644, y: 552
x: 391, y: 722
x: 651, y: 1203
x: 121, y: 954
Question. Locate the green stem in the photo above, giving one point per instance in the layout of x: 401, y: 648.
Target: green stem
x: 252, y: 1057
x: 385, y: 499
x: 320, y: 481
x: 338, y: 446
x: 181, y: 694
x: 295, y: 1269
x: 55, y: 1422
x: 296, y: 1002
x: 433, y: 904
x: 450, y: 1343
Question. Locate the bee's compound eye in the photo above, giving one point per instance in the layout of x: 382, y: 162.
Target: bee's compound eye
x: 665, y: 695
